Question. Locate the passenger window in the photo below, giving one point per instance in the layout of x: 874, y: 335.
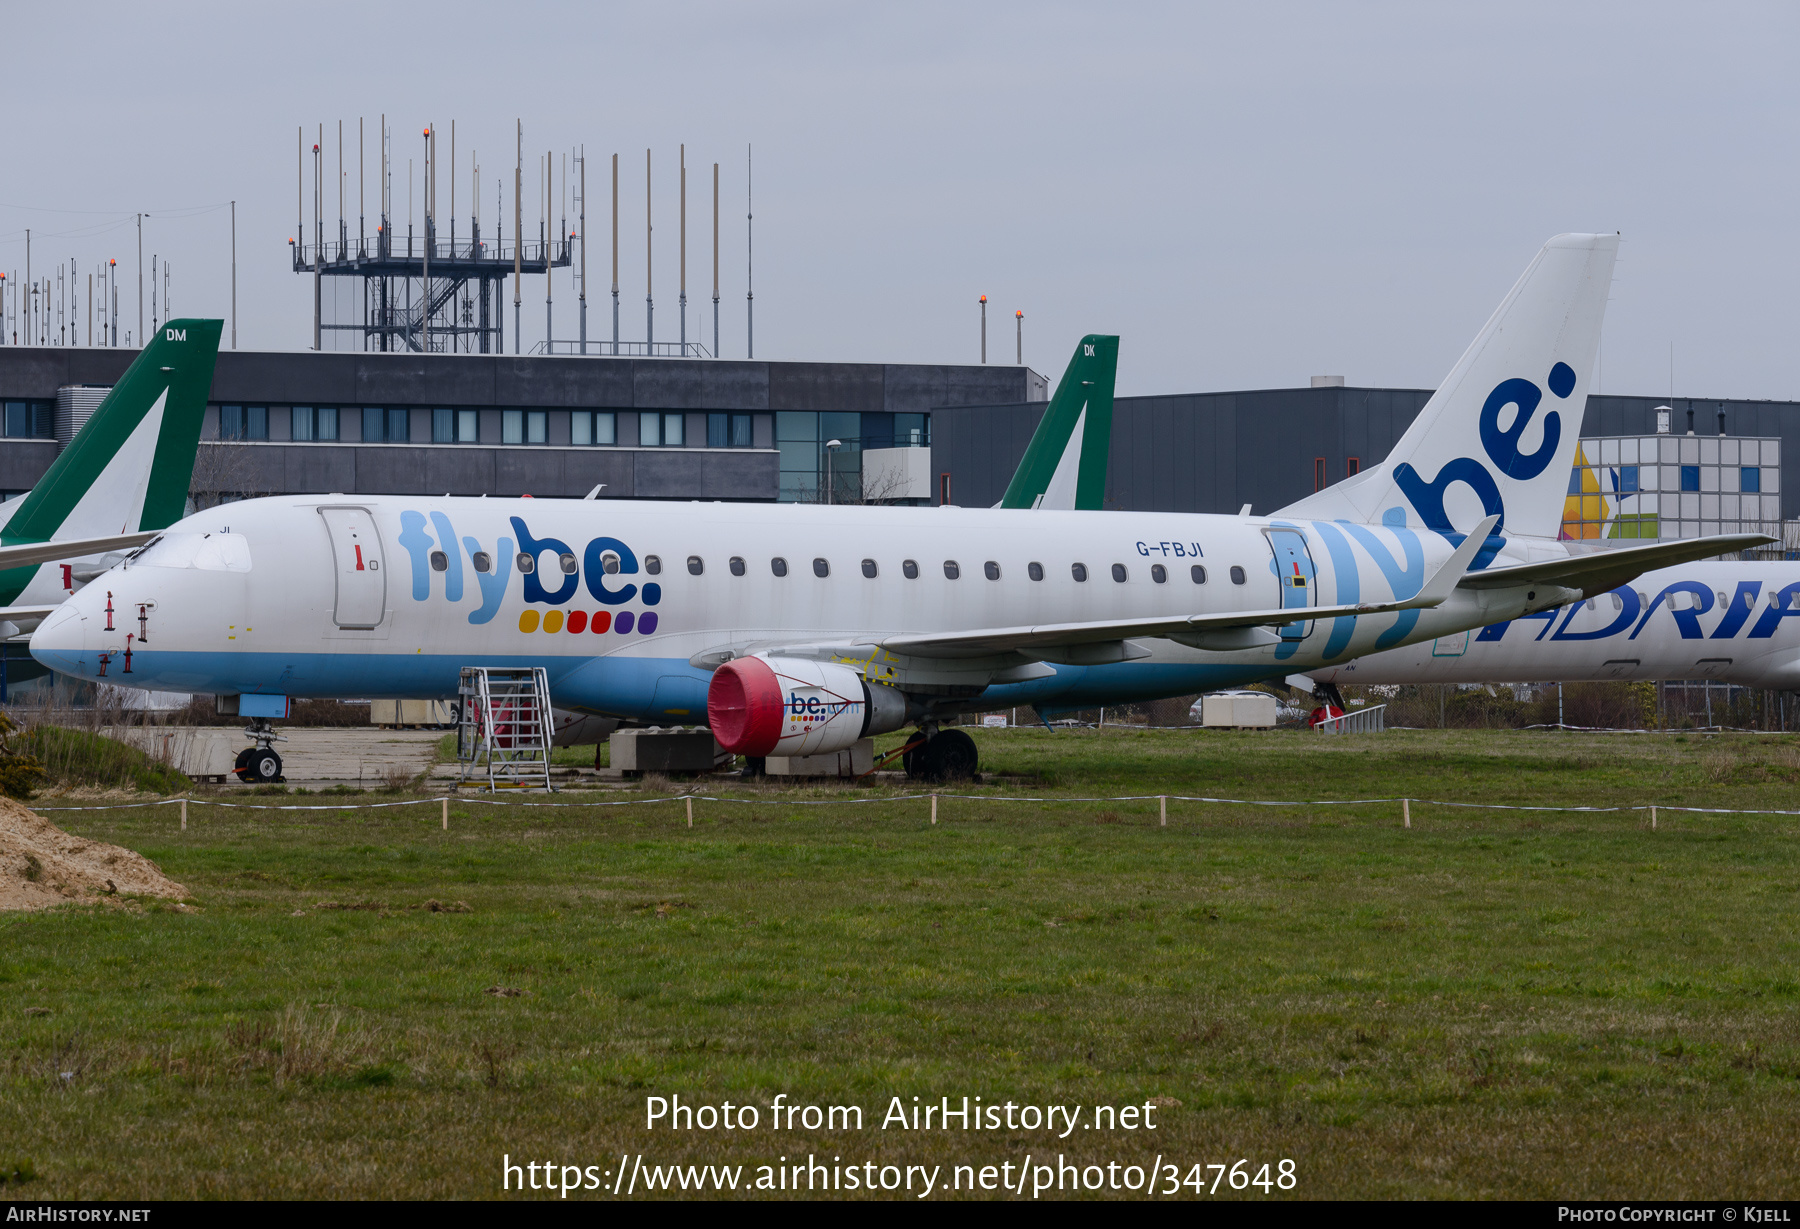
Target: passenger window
x: 821, y: 568
x: 440, y: 562
x: 778, y: 565
x: 568, y: 563
x: 696, y: 565
x: 653, y: 564
x: 1619, y: 602
x: 1159, y: 573
x: 737, y: 565
x: 992, y: 570
x: 1198, y: 573
x: 1118, y: 571
x: 1035, y: 571
x: 909, y: 568
x: 526, y: 563
x: 1078, y: 571
x: 869, y: 568
x: 483, y: 561
x: 951, y: 571
x: 1237, y: 575
x: 609, y: 563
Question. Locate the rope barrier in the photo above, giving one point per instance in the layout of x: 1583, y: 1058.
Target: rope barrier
x: 444, y: 800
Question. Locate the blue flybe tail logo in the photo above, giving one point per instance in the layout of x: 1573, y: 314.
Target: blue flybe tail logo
x: 1501, y: 444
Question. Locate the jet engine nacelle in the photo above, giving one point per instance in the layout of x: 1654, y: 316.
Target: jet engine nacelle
x: 761, y: 706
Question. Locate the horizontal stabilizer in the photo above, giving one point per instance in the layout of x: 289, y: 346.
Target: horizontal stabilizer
x: 1604, y: 570
x: 26, y: 553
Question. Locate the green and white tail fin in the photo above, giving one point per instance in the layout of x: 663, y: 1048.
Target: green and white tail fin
x: 129, y: 467
x: 1064, y: 467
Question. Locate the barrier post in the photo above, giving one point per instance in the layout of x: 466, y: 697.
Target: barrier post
x: 1406, y: 812
x: 1653, y: 817
x: 1162, y: 808
x: 690, y: 810
x: 446, y: 803
x: 184, y: 814
x: 934, y: 808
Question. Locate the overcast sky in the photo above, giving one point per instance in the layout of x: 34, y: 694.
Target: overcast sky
x: 1248, y: 194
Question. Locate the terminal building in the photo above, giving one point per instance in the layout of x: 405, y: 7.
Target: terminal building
x: 674, y: 428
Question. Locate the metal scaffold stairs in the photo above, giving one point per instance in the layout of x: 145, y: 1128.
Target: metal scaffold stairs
x: 504, y: 726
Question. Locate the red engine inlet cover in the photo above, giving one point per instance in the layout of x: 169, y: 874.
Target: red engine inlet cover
x: 744, y: 704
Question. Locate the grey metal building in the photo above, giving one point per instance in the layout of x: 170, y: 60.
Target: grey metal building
x: 1215, y: 452
x: 508, y: 425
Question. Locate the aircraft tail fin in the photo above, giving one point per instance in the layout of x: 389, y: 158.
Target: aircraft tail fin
x: 129, y: 467
x: 1064, y: 467
x: 1499, y: 435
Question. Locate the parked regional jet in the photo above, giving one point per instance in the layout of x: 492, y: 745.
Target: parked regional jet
x: 797, y: 629
x: 123, y: 476
x: 1714, y: 620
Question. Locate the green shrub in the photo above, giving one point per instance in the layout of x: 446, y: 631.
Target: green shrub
x: 82, y: 757
x: 20, y: 773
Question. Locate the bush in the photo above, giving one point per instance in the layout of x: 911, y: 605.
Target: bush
x: 20, y: 772
x: 82, y: 757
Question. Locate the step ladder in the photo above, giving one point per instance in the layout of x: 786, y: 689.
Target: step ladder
x: 504, y: 726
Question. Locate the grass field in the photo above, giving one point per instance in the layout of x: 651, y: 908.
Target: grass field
x: 1488, y: 1004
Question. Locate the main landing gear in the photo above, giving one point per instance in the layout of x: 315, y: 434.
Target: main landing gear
x: 941, y: 755
x: 261, y: 763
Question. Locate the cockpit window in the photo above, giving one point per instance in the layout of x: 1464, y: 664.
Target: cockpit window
x: 207, y: 552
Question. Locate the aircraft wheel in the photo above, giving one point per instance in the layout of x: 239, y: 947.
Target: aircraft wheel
x: 242, y: 767
x: 266, y: 765
x: 951, y: 756
x: 913, y: 760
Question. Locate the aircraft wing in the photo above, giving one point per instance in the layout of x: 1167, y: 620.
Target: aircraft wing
x: 1212, y: 631
x: 21, y: 614
x: 1604, y: 570
x: 26, y: 553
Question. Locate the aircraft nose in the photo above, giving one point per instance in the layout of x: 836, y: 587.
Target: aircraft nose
x: 60, y: 642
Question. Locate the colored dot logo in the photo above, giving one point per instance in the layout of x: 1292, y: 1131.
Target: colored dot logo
x: 599, y: 623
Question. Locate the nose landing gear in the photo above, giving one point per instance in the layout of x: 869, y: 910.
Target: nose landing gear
x: 261, y: 763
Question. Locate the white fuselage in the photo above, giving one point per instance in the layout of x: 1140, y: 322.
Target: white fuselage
x: 382, y: 595
x: 1733, y: 620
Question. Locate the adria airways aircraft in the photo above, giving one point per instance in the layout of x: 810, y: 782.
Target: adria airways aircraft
x: 795, y: 629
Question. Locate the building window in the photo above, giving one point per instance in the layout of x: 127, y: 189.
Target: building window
x: 944, y: 489
x: 1628, y: 478
x: 30, y: 419
x: 1750, y: 479
x: 455, y: 426
x: 1352, y: 466
x: 593, y: 427
x: 912, y: 430
x: 1318, y: 473
x: 728, y: 431
x: 301, y: 423
x: 399, y: 426
x: 243, y: 422
x: 661, y: 430
x: 1690, y: 477
x: 523, y: 426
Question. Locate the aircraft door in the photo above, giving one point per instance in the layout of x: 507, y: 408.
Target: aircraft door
x: 358, y: 565
x: 1295, y: 573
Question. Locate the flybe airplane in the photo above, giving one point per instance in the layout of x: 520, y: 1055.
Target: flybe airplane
x: 798, y: 629
x: 123, y: 476
x: 1713, y: 620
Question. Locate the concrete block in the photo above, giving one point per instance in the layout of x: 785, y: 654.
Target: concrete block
x: 853, y: 761
x: 1238, y: 710
x: 673, y: 750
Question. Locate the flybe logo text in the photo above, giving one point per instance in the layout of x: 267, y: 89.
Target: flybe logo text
x: 550, y: 571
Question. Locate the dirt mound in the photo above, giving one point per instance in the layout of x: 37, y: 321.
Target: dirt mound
x: 41, y: 865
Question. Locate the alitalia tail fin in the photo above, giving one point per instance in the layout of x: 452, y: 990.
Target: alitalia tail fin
x: 129, y: 467
x: 1499, y: 435
x: 1064, y: 467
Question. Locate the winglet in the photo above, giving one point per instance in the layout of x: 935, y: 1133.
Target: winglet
x: 1443, y: 581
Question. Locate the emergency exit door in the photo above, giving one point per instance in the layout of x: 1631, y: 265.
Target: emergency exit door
x: 361, y: 600
x: 1294, y: 572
